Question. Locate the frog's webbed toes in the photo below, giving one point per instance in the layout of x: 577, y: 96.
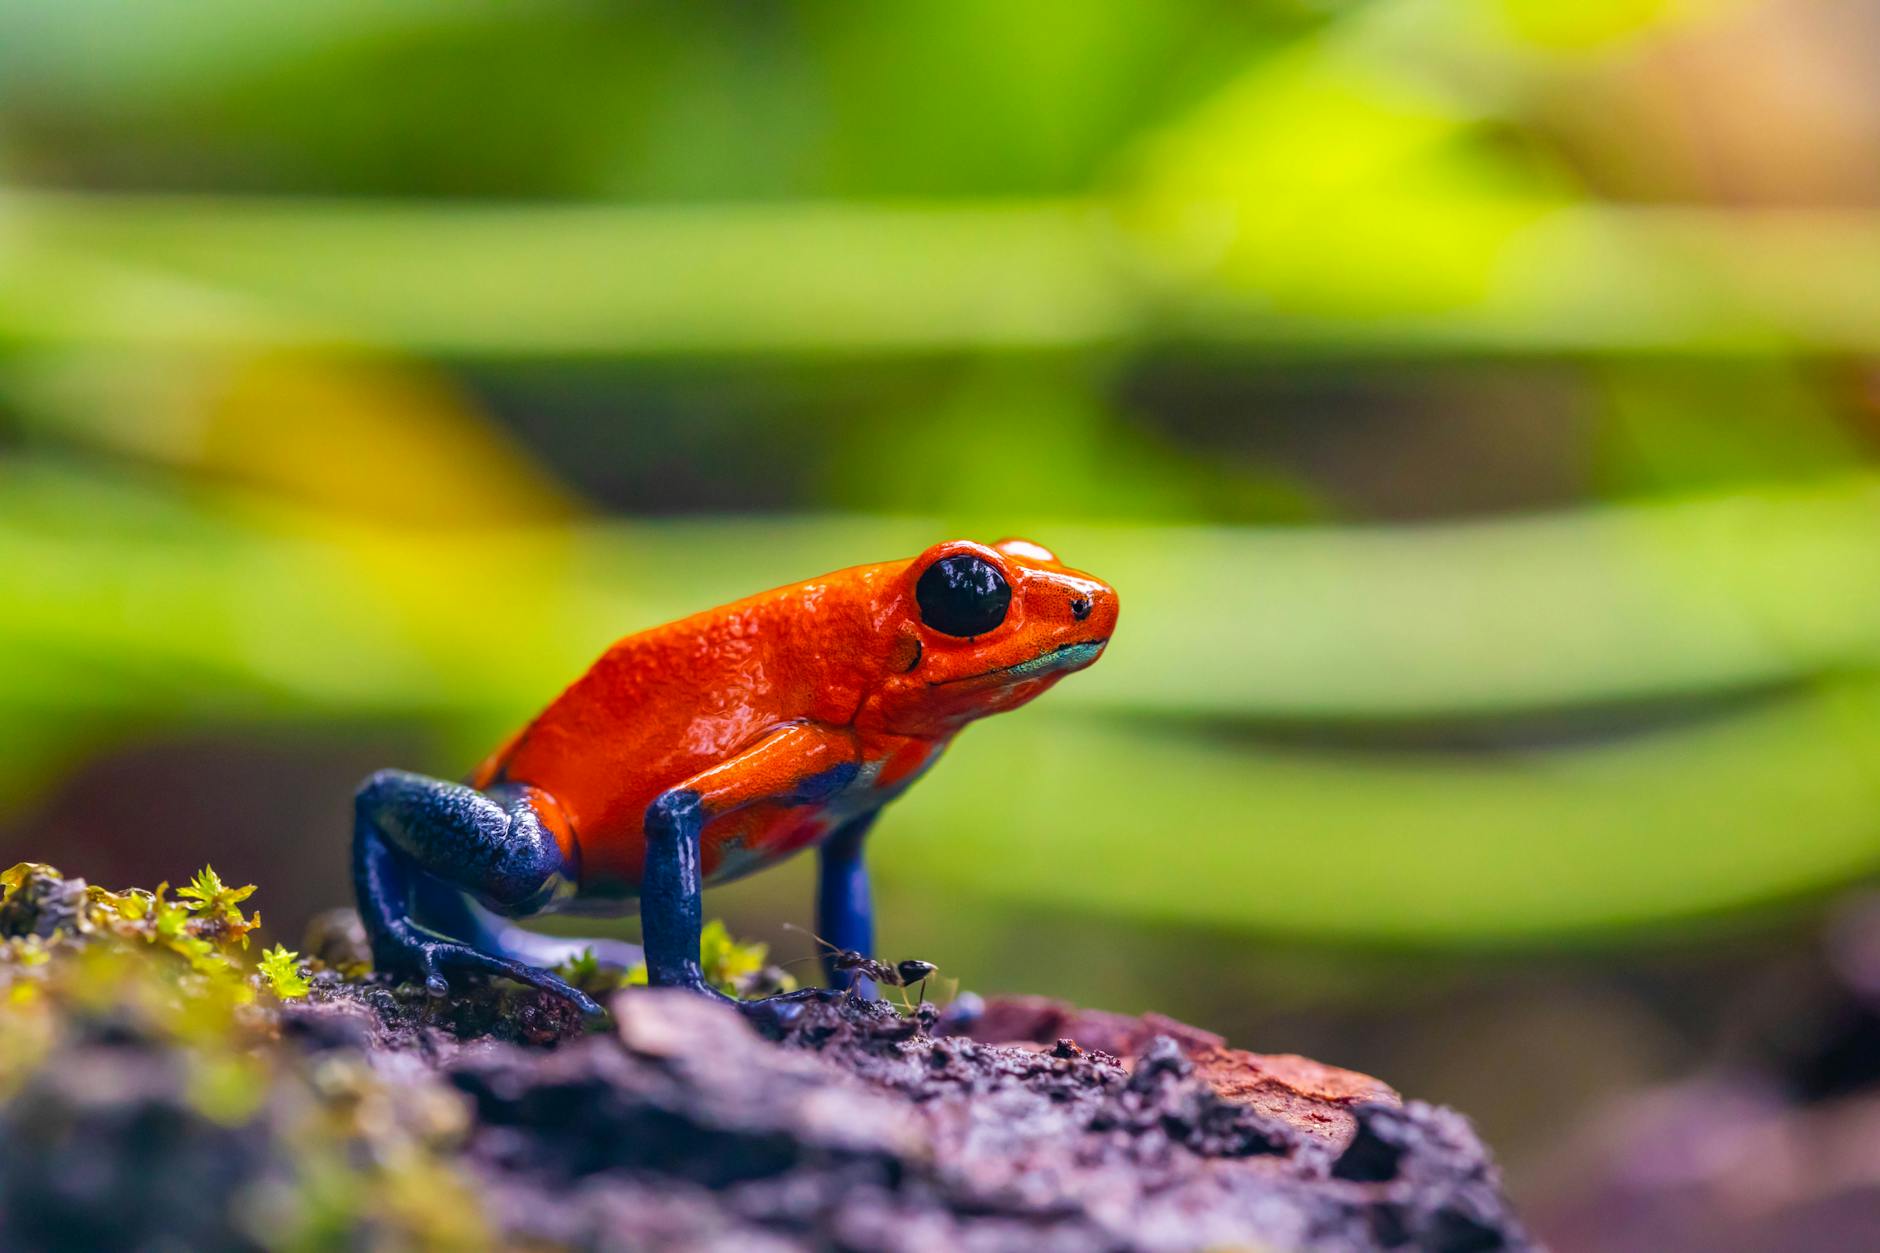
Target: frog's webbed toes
x: 775, y: 1014
x: 434, y: 962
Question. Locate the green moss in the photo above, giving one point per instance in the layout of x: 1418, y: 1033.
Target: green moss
x: 280, y: 969
x: 347, y: 1159
x: 208, y: 897
x: 734, y: 967
x: 328, y: 1153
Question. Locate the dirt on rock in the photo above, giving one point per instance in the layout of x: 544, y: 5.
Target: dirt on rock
x: 862, y: 1128
x: 156, y: 1092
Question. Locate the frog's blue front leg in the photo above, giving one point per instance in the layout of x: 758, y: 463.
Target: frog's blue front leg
x: 671, y: 910
x: 845, y: 914
x: 671, y: 891
x: 407, y: 826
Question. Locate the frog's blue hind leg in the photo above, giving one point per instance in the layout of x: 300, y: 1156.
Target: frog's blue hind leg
x: 845, y: 914
x: 457, y: 914
x: 494, y: 846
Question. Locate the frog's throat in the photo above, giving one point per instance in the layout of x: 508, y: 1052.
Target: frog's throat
x: 1063, y: 657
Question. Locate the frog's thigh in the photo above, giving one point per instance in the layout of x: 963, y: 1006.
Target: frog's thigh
x: 506, y: 847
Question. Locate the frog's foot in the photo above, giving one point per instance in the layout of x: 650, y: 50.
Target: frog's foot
x: 433, y: 961
x: 773, y: 1015
x: 496, y: 845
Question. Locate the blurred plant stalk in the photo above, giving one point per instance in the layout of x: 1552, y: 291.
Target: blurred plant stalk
x: 1516, y: 275
x: 245, y: 497
x: 126, y: 607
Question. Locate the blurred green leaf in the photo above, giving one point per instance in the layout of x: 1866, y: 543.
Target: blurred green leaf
x: 1116, y: 794
x: 556, y: 281
x: 554, y: 98
x: 122, y: 600
x: 1523, y: 846
x: 1055, y: 195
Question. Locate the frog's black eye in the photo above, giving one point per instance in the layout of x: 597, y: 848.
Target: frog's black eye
x: 963, y: 596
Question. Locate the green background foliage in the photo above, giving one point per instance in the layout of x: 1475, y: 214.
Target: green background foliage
x: 1472, y: 403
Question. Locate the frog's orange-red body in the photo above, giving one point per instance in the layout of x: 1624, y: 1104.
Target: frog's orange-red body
x: 666, y: 704
x: 720, y: 743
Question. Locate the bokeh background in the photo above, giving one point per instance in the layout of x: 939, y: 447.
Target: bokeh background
x: 1475, y: 403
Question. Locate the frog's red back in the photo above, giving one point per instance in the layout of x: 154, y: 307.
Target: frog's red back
x: 664, y: 704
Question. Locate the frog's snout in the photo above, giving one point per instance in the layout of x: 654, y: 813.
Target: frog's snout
x: 1092, y: 604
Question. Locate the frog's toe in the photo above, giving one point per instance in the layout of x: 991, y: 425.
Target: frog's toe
x: 776, y: 1013
x: 436, y: 961
x: 536, y: 977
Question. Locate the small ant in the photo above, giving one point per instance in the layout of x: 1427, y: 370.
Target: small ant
x: 904, y: 974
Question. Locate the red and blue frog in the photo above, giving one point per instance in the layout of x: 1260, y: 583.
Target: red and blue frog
x: 711, y: 747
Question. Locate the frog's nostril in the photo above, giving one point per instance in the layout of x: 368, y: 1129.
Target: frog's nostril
x: 1080, y: 607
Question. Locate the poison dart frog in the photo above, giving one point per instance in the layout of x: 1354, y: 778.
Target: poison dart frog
x: 708, y: 748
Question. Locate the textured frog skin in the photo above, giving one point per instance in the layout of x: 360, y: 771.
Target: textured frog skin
x: 714, y: 746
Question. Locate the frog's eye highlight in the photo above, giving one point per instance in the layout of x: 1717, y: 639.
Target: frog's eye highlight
x: 963, y: 595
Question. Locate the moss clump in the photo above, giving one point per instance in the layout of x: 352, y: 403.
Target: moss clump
x: 735, y: 967
x: 137, y: 1035
x: 204, y: 925
x: 280, y: 1129
x: 280, y: 968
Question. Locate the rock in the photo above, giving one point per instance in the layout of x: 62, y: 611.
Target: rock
x: 337, y: 938
x: 860, y: 1133
x: 42, y: 905
x: 158, y: 1095
x: 102, y: 1148
x: 1309, y: 1096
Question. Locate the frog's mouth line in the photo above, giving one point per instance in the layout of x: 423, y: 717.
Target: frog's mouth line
x: 1063, y: 657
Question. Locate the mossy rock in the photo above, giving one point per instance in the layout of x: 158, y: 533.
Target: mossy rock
x: 162, y: 1086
